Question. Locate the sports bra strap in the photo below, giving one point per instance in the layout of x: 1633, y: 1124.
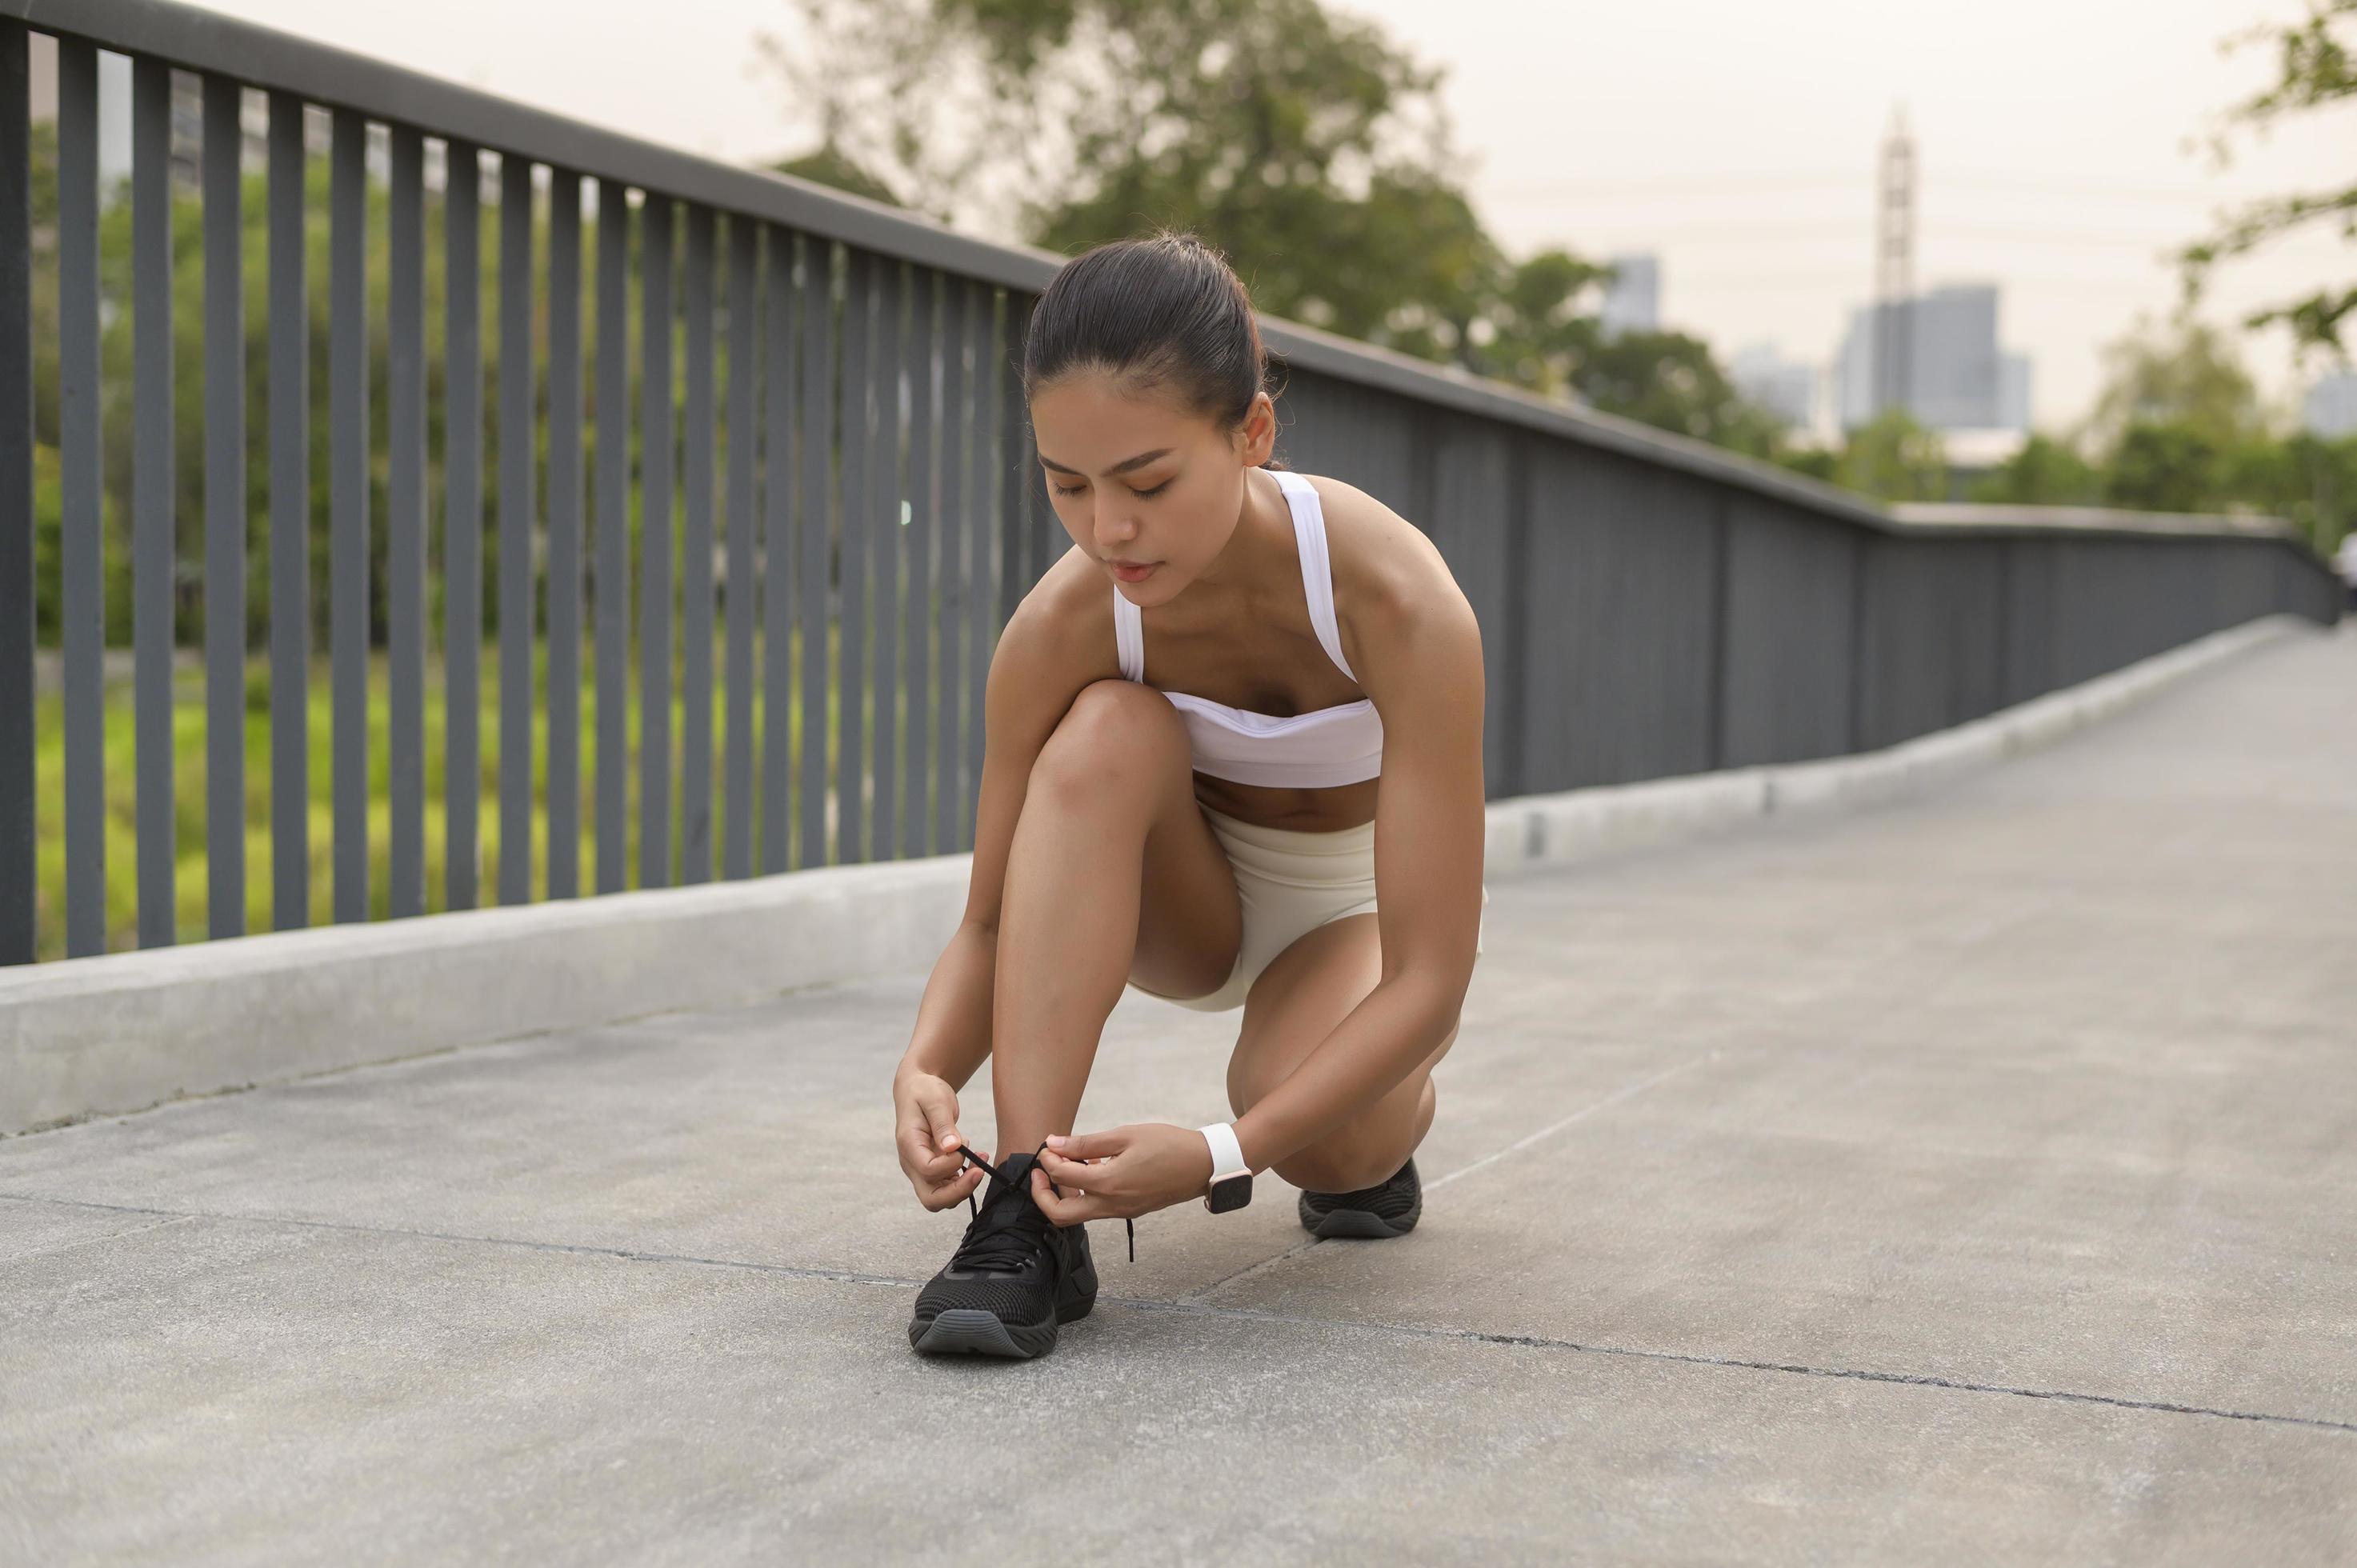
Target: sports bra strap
x: 1316, y: 585
x: 1317, y: 566
x: 1129, y: 638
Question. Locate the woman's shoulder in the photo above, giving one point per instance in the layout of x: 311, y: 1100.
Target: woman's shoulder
x: 1384, y: 564
x: 1066, y: 617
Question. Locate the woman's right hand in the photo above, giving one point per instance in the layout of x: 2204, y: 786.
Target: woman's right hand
x: 925, y: 1110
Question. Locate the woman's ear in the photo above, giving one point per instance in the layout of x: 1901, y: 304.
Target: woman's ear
x: 1258, y: 433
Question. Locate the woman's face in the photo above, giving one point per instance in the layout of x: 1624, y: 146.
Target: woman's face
x: 1151, y: 492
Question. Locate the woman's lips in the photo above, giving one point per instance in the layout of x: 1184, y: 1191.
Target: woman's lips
x: 1133, y: 574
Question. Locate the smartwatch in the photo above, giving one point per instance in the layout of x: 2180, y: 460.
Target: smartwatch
x: 1231, y: 1177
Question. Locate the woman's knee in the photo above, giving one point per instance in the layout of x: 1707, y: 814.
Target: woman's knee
x: 1116, y: 740
x: 1338, y: 1163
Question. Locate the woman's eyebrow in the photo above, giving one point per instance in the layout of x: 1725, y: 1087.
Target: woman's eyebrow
x: 1140, y: 461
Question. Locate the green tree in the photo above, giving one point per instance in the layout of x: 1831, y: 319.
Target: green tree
x: 2180, y: 372
x: 1299, y: 141
x: 1671, y: 379
x: 1894, y: 458
x: 2167, y: 466
x: 2047, y: 471
x: 1816, y: 462
x: 2316, y: 67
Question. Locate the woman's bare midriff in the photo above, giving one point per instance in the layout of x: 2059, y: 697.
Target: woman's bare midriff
x: 1296, y: 811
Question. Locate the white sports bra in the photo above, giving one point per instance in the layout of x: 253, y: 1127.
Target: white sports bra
x: 1316, y: 750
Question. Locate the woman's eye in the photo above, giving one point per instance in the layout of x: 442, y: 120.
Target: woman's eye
x: 1076, y: 490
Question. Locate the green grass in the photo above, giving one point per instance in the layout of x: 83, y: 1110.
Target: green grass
x: 189, y: 728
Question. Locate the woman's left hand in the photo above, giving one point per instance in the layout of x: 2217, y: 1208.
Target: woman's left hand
x: 1129, y: 1171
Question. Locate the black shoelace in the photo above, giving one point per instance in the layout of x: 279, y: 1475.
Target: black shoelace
x: 1005, y: 1243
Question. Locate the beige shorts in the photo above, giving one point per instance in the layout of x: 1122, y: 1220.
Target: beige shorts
x: 1290, y: 883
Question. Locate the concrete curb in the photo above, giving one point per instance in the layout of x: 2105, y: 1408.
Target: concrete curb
x: 104, y: 1035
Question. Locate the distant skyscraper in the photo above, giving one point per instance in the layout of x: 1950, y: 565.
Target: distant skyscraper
x: 1632, y: 301
x: 2332, y: 410
x: 1784, y: 387
x: 1956, y: 376
x: 2013, y: 392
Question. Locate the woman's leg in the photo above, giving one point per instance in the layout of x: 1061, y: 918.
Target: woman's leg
x: 1299, y: 999
x: 1114, y: 874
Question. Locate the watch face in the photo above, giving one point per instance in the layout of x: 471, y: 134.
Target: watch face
x: 1232, y: 1193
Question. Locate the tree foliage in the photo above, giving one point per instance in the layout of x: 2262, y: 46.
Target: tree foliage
x: 1300, y: 142
x: 2316, y: 67
x: 2184, y: 373
x: 2179, y: 427
x: 1895, y: 458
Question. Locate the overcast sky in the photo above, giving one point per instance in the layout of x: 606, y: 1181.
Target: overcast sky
x: 1734, y: 139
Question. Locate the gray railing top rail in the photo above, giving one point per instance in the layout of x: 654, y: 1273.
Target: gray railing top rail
x: 1980, y: 517
x: 265, y: 58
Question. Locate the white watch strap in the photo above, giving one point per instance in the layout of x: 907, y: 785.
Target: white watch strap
x: 1227, y: 1154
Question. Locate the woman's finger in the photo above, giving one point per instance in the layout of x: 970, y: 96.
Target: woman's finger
x: 944, y: 1195
x: 917, y: 1158
x: 1071, y: 1173
x: 1089, y: 1146
x: 1072, y: 1208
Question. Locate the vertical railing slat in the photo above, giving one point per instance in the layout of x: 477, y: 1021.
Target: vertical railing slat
x: 518, y: 630
x: 348, y: 469
x: 564, y: 524
x: 776, y: 549
x: 462, y: 529
x: 81, y: 549
x: 654, y: 542
x: 855, y: 526
x: 736, y: 787
x: 884, y: 507
x: 922, y: 359
x: 697, y: 457
x: 224, y: 511
x: 954, y: 597
x: 18, y: 861
x: 817, y: 290
x: 152, y: 553
x: 982, y: 492
x: 613, y: 577
x: 1019, y: 543
x: 290, y: 525
x: 405, y: 524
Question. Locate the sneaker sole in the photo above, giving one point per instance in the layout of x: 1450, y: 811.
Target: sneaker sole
x: 978, y: 1331
x: 1358, y: 1224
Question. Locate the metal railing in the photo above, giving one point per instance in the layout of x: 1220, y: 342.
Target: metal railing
x: 811, y: 526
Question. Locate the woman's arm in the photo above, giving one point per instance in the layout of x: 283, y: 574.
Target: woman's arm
x: 1034, y: 676
x: 1418, y: 650
x: 1420, y: 658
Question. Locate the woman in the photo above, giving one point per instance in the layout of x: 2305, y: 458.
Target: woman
x: 1311, y: 738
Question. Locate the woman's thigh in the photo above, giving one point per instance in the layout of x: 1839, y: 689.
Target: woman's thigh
x: 1299, y: 999
x: 1121, y: 762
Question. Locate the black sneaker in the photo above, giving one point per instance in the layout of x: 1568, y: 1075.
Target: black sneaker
x: 1015, y: 1276
x: 1388, y: 1209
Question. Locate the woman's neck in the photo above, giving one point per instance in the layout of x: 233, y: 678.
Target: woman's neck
x: 1259, y: 551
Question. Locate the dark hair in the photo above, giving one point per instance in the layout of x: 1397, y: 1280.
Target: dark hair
x: 1164, y: 312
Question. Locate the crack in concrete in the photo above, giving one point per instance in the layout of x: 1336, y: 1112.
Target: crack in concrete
x: 1737, y: 1363
x: 633, y: 1254
x: 1193, y: 1307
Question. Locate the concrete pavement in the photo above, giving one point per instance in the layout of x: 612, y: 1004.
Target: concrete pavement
x: 1971, y: 1179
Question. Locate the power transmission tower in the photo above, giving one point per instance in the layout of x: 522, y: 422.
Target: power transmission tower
x: 1894, y: 265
